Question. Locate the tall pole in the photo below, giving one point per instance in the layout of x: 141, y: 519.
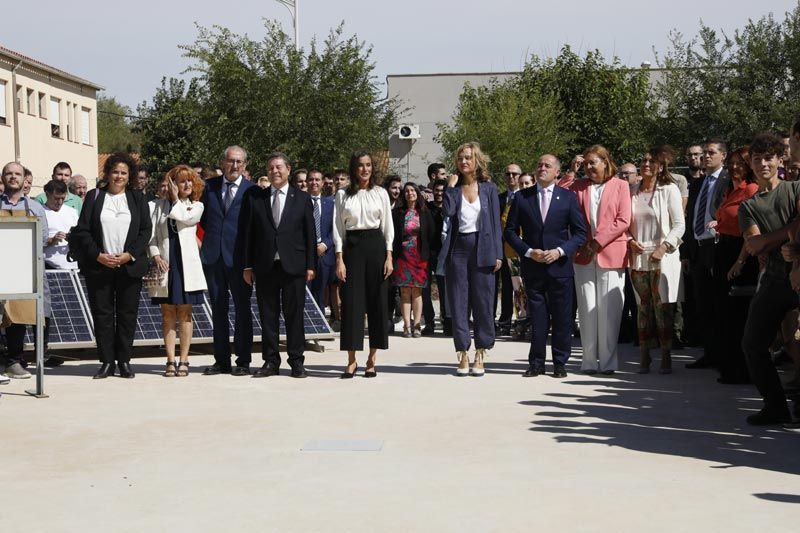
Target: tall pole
x: 293, y: 7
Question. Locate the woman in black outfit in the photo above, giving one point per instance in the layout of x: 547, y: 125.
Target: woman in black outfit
x: 112, y: 235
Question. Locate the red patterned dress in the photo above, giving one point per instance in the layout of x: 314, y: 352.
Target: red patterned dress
x: 411, y: 271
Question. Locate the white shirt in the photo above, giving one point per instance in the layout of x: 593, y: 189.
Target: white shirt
x: 366, y: 209
x: 55, y: 255
x: 645, y: 230
x: 281, y: 193
x: 594, y: 203
x: 468, y: 215
x: 115, y: 220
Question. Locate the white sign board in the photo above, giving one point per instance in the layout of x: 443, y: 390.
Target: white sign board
x: 18, y: 239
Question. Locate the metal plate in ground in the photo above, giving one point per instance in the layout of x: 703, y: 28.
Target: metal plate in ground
x: 321, y: 445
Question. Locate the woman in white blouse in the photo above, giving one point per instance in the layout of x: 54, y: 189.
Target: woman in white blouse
x: 112, y: 233
x: 363, y: 235
x: 174, y: 250
x: 657, y: 225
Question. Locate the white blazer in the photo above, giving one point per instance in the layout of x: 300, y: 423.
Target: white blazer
x: 669, y: 210
x: 185, y: 215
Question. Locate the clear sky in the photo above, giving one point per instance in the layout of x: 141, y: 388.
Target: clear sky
x: 128, y: 47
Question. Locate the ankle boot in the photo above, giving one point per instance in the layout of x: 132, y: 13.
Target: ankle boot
x: 644, y: 359
x: 666, y: 362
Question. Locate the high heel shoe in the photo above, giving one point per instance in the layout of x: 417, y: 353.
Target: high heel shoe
x: 406, y: 332
x: 371, y: 373
x: 349, y: 375
x: 417, y: 331
x: 463, y: 364
x: 477, y: 366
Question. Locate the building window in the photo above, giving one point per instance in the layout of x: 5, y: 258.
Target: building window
x: 69, y: 121
x: 20, y: 99
x: 2, y: 102
x: 42, y: 105
x: 55, y: 117
x: 31, y: 102
x: 86, y: 132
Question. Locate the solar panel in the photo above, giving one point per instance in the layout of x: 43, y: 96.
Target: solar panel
x: 314, y: 323
x: 70, y: 324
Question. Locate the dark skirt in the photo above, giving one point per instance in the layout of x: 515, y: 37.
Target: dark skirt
x: 177, y: 296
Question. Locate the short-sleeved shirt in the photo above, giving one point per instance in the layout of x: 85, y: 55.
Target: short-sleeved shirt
x: 34, y: 208
x: 682, y: 184
x: 771, y: 211
x: 55, y: 255
x: 72, y: 200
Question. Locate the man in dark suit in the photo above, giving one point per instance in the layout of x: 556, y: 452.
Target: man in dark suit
x: 280, y: 250
x: 503, y: 283
x: 323, y: 226
x: 222, y: 263
x: 553, y: 229
x: 705, y: 196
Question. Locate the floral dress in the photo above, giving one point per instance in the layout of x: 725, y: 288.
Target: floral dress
x: 411, y: 271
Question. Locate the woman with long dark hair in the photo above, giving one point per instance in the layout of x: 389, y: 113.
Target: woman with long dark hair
x: 472, y: 251
x: 363, y: 237
x: 113, y: 232
x: 657, y: 226
x: 413, y: 233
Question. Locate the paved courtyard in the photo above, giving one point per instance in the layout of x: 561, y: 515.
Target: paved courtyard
x: 498, y: 453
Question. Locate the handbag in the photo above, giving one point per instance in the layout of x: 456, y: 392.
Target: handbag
x: 19, y: 312
x: 154, y: 278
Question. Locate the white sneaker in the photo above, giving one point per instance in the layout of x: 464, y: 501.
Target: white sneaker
x: 17, y: 372
x: 4, y: 380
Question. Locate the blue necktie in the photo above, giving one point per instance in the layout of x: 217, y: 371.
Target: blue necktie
x: 317, y: 216
x: 700, y: 209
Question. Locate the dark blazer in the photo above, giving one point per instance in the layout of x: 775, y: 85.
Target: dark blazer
x: 89, y: 233
x: 327, y: 259
x: 438, y: 223
x: 490, y: 240
x: 502, y: 199
x: 221, y: 228
x: 688, y: 249
x: 426, y: 233
x: 294, y: 238
x: 564, y: 228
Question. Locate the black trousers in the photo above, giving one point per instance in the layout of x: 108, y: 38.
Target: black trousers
x: 427, y: 302
x: 276, y: 291
x: 15, y: 342
x: 703, y: 286
x: 114, y: 300
x: 628, y: 327
x: 770, y: 304
x: 503, y: 286
x: 729, y: 321
x: 365, y: 291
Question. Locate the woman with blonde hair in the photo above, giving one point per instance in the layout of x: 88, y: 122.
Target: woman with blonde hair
x: 174, y: 250
x: 600, y: 263
x: 657, y: 226
x: 472, y: 251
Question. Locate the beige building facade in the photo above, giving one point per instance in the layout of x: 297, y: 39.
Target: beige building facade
x: 46, y: 116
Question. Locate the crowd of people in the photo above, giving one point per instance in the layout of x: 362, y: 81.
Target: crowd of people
x: 641, y: 254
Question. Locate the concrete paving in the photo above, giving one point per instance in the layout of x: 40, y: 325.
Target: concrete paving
x: 498, y: 453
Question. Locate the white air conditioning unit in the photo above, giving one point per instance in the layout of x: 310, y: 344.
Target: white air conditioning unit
x: 408, y: 131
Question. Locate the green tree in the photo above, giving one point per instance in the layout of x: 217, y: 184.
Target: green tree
x: 512, y: 125
x: 317, y: 106
x: 114, y: 128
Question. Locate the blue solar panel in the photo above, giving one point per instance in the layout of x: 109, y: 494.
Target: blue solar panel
x: 148, y: 324
x: 69, y: 322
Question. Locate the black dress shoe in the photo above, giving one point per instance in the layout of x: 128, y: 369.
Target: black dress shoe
x: 125, y: 371
x: 703, y: 362
x: 427, y: 330
x: 299, y: 372
x: 769, y: 417
x: 51, y: 361
x: 732, y: 380
x: 560, y: 372
x: 607, y: 372
x: 240, y: 371
x: 105, y: 370
x: 266, y: 371
x: 215, y: 369
x: 533, y: 371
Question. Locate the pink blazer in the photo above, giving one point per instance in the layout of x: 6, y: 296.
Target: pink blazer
x: 613, y: 220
